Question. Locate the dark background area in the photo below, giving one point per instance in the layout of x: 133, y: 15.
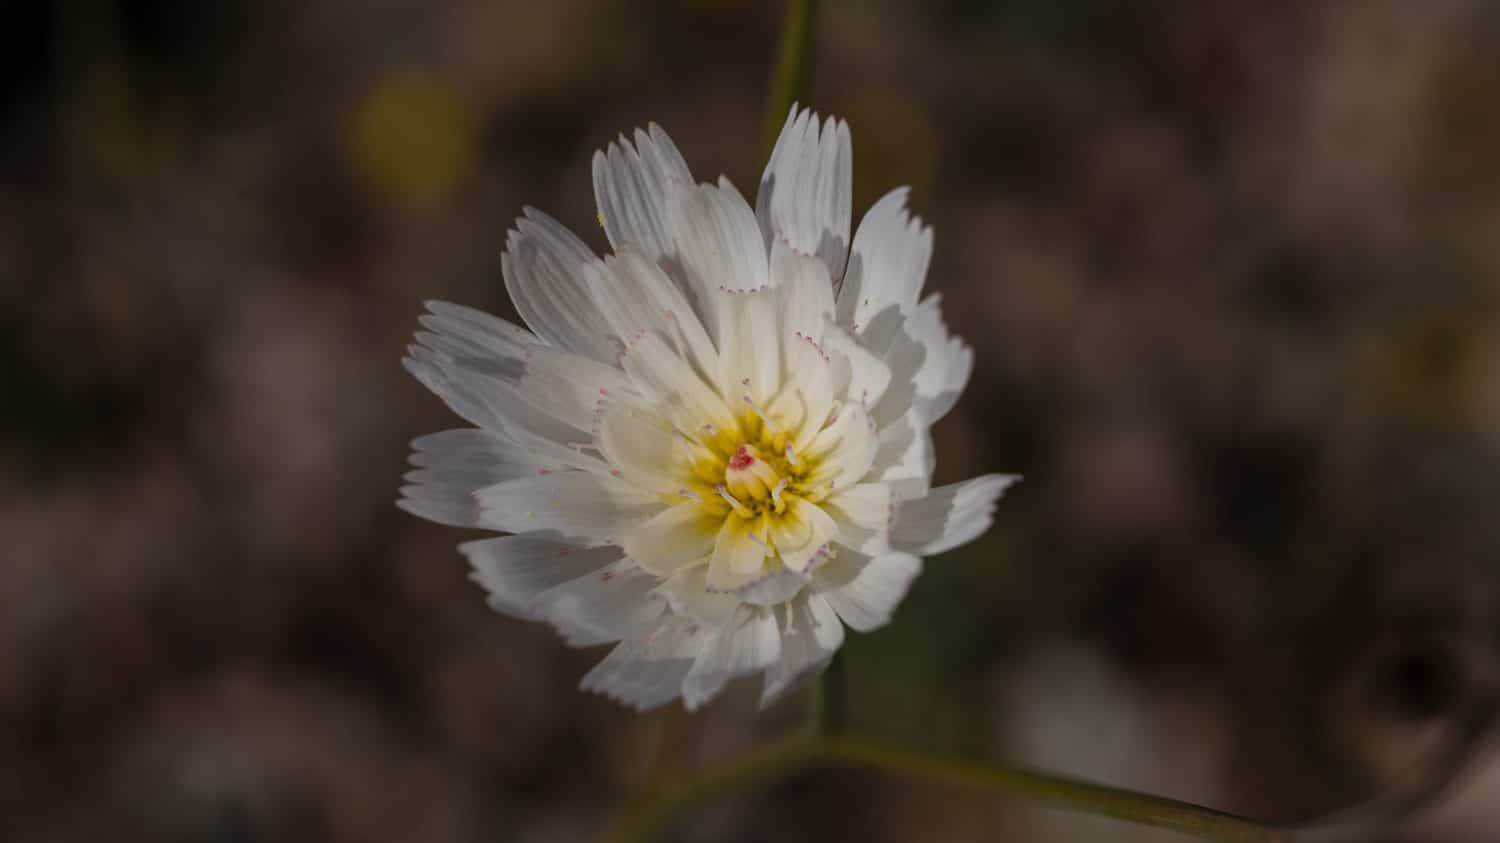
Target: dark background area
x: 1230, y: 270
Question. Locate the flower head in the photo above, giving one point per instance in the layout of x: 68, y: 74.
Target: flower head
x: 712, y: 445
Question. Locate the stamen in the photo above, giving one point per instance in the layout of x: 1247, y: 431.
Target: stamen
x: 791, y: 457
x: 700, y: 453
x: 776, y: 493
x: 834, y: 416
x: 689, y: 493
x: 739, y: 508
x: 765, y: 419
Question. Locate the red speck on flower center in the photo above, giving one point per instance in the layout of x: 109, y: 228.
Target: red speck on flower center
x: 741, y: 459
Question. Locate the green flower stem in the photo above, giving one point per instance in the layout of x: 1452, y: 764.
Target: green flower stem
x: 1414, y: 789
x: 792, y: 60
x: 826, y: 701
x: 1067, y: 793
x: 801, y: 751
x: 812, y: 721
x: 833, y: 707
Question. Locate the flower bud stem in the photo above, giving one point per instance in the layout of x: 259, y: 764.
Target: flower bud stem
x: 1363, y: 822
x: 804, y: 750
x: 793, y: 58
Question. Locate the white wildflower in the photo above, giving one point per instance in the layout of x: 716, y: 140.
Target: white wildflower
x: 712, y: 446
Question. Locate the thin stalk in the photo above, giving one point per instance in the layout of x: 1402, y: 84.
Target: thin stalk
x: 1415, y: 789
x: 812, y: 723
x: 654, y: 815
x: 800, y: 751
x: 826, y: 700
x: 833, y: 713
x: 793, y: 58
x: 1072, y: 794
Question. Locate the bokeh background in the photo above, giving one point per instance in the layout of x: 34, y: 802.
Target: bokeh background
x: 1231, y: 271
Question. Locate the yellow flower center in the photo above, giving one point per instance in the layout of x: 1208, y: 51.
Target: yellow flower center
x: 750, y: 471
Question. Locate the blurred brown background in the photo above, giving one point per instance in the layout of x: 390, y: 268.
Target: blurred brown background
x: 1231, y: 271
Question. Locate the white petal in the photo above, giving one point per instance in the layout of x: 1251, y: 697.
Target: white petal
x: 810, y: 634
x: 960, y: 367
x: 773, y: 589
x: 571, y: 502
x: 516, y: 569
x: 807, y: 398
x: 469, y: 448
x: 750, y: 345
x: 669, y: 383
x: 844, y: 450
x: 642, y: 446
x: 806, y: 191
x: 860, y: 377
x: 542, y: 434
x: 887, y: 265
x: 946, y: 363
x: 863, y: 515
x: 678, y: 536
x: 647, y: 671
x: 453, y: 465
x: 950, y: 515
x: 569, y: 387
x: 801, y: 532
x: 904, y: 459
x: 498, y: 406
x: 635, y: 295
x: 631, y: 186
x: 749, y: 642
x: 864, y: 590
x: 928, y: 367
x: 481, y: 340
x: 543, y: 267
x: 495, y: 403
x: 689, y: 595
x: 462, y: 391
x: 720, y: 247
x: 467, y: 388
x: 805, y: 293
x: 739, y: 553
x: 904, y: 358
x: 608, y: 605
x: 442, y: 503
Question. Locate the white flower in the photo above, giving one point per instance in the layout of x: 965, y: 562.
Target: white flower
x: 712, y: 446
